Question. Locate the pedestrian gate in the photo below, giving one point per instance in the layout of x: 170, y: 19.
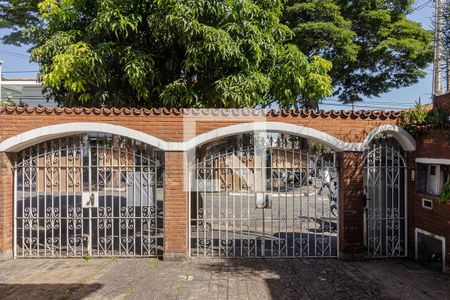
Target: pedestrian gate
x: 88, y: 195
x: 385, y: 199
x: 263, y: 195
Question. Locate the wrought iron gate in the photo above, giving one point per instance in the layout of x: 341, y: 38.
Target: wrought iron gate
x: 385, y: 193
x: 88, y: 195
x: 263, y: 195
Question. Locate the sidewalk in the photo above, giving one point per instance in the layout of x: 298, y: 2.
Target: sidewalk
x: 219, y: 279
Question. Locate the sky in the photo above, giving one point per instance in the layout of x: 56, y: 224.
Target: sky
x: 17, y: 64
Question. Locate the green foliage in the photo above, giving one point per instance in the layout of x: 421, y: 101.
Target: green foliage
x: 221, y: 53
x: 7, y: 102
x: 411, y: 120
x: 87, y: 257
x: 18, y: 15
x: 174, y: 53
x: 437, y: 117
x: 444, y: 196
x: 372, y: 46
x: 318, y: 148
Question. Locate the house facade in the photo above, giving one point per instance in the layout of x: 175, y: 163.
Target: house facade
x: 208, y: 183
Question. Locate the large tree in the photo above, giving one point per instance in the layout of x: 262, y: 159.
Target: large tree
x: 195, y: 53
x: 372, y: 45
x: 18, y: 16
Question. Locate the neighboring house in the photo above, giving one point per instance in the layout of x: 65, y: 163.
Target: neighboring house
x: 26, y: 91
x: 430, y: 217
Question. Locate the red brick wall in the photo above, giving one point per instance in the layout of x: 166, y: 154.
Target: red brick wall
x: 433, y: 143
x: 351, y: 172
x: 442, y: 101
x: 436, y: 221
x: 169, y: 125
x: 6, y: 204
x: 175, y: 206
x: 175, y: 125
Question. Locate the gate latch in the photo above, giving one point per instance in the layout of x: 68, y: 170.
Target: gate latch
x: 263, y: 200
x: 89, y: 199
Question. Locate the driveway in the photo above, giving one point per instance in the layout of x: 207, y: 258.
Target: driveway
x: 146, y: 278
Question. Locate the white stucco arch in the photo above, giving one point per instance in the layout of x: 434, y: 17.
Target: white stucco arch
x: 306, y: 132
x: 34, y: 136
x: 403, y: 137
x: 41, y: 134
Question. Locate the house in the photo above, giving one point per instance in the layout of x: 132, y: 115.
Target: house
x: 429, y: 214
x: 24, y: 91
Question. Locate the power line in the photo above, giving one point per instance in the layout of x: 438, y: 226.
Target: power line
x: 422, y: 6
x: 365, y: 106
x: 374, y: 102
x: 14, y: 72
x: 14, y: 54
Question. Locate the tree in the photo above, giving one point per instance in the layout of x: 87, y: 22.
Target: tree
x: 173, y: 53
x: 372, y: 46
x: 18, y: 15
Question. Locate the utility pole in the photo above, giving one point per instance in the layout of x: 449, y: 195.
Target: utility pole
x: 1, y: 63
x: 438, y: 43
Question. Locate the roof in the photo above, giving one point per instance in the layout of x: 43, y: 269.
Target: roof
x: 363, y: 114
x: 20, y: 79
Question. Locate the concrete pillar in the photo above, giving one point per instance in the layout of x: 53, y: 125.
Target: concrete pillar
x: 351, y: 210
x: 6, y: 204
x: 176, y: 210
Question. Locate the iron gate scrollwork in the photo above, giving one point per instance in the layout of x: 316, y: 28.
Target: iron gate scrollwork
x: 263, y: 194
x: 385, y: 199
x: 90, y: 194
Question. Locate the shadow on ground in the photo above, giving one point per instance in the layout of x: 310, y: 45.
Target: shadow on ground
x: 47, y: 291
x: 335, y: 279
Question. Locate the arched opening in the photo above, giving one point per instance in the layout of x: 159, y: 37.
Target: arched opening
x: 42, y: 134
x: 385, y: 191
x: 91, y: 194
x: 263, y: 194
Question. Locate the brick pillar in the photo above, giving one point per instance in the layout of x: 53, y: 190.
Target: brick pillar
x: 411, y: 197
x: 6, y: 204
x: 175, y: 207
x: 351, y: 230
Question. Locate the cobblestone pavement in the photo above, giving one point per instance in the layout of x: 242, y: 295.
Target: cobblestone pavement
x: 219, y: 279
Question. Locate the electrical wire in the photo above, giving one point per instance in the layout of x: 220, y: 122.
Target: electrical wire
x: 18, y: 55
x: 17, y: 72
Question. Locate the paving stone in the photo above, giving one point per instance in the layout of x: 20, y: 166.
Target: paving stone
x: 219, y: 279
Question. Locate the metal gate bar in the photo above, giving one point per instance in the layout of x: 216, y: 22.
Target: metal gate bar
x: 284, y: 174
x: 88, y: 195
x: 386, y: 194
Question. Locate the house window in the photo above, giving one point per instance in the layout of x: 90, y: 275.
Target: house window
x: 431, y: 178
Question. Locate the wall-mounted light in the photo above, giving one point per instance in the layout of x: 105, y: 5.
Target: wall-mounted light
x: 413, y: 175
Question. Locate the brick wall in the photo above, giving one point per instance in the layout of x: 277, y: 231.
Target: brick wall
x: 443, y: 102
x: 175, y: 206
x: 436, y: 221
x: 6, y: 204
x: 176, y: 125
x: 169, y: 125
x: 351, y: 169
x: 432, y: 143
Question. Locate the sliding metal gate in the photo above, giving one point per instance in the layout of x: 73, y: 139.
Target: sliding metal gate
x: 261, y: 195
x: 385, y: 188
x: 88, y: 195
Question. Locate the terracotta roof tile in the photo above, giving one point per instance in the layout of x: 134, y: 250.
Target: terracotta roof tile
x: 363, y: 114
